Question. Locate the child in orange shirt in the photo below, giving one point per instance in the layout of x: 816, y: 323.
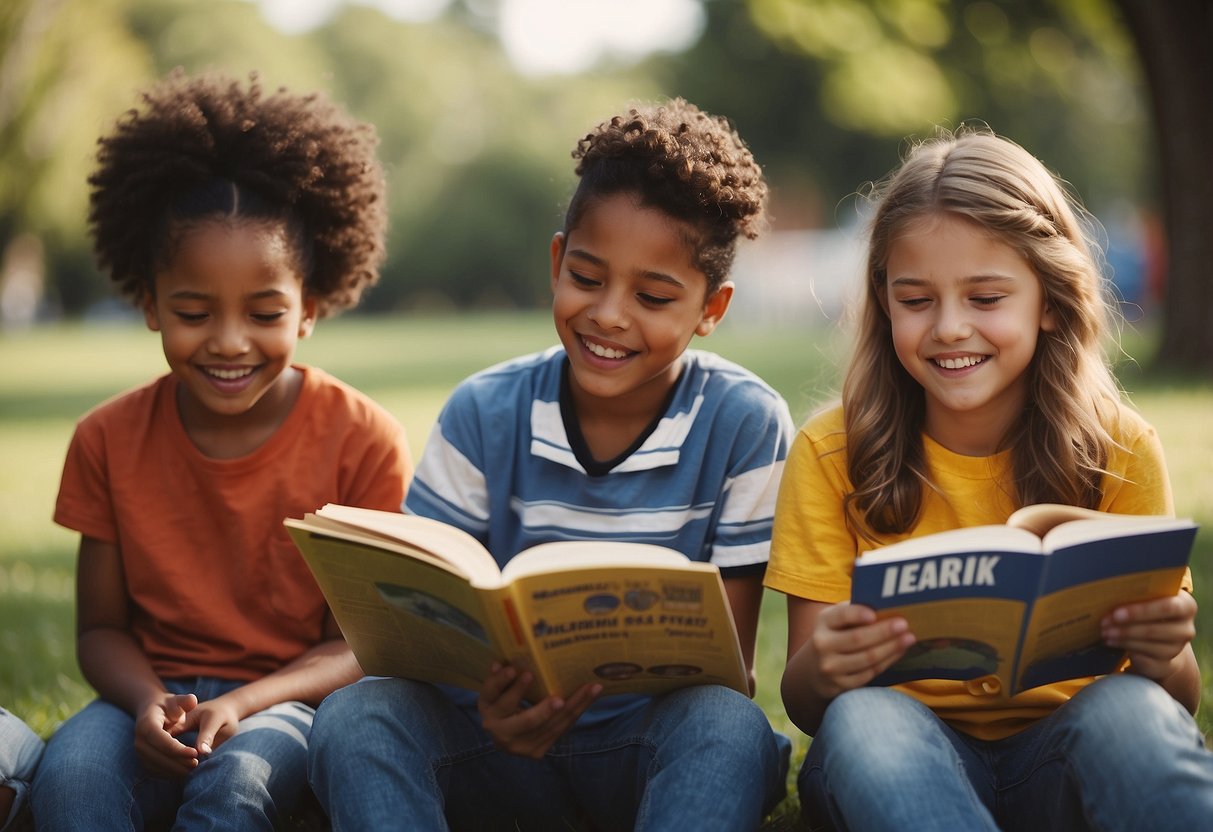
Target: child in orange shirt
x: 234, y: 221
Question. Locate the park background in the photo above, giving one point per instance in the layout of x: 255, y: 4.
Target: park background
x: 478, y: 104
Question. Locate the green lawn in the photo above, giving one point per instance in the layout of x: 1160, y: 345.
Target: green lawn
x: 52, y: 375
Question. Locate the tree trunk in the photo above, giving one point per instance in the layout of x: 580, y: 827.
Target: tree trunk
x: 1175, y: 43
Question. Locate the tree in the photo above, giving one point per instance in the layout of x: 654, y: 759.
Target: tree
x: 1175, y: 41
x: 826, y: 91
x: 65, y: 67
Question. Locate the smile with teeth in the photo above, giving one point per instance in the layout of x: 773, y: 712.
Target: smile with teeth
x: 960, y: 363
x: 603, y: 352
x: 229, y: 375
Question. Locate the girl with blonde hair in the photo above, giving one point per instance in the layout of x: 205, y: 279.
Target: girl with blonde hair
x: 978, y: 385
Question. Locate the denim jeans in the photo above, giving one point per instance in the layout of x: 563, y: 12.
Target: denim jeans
x: 20, y: 750
x: 91, y: 777
x: 1122, y: 754
x: 398, y: 754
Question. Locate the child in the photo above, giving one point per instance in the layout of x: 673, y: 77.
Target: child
x: 978, y: 386
x: 620, y: 433
x: 234, y: 221
x: 20, y: 750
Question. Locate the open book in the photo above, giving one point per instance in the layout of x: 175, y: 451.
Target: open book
x: 1019, y: 605
x: 420, y: 599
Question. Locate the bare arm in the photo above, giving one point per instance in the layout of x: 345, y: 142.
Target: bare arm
x: 109, y: 657
x: 1184, y: 682
x: 834, y: 648
x: 115, y: 665
x: 745, y: 601
x: 308, y: 679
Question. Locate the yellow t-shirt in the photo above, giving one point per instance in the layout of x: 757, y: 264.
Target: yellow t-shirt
x: 813, y: 550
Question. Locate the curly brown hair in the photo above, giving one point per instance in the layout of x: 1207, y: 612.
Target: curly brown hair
x: 206, y: 147
x: 684, y: 162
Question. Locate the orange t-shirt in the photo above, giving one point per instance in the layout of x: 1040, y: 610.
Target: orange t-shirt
x: 216, y: 588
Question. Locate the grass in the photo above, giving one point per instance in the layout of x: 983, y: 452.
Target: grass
x: 53, y: 375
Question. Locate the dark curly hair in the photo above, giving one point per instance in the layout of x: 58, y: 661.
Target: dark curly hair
x: 683, y: 162
x: 206, y: 147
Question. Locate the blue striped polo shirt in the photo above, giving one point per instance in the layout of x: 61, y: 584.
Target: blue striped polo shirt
x: 505, y: 463
x: 501, y: 465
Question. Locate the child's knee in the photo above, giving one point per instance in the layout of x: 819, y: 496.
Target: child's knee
x: 1127, y: 714
x: 726, y: 715
x: 863, y: 711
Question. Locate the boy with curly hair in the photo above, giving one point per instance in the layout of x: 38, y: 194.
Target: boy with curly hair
x: 619, y: 433
x: 234, y: 221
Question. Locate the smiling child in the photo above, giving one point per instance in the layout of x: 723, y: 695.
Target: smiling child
x: 234, y: 221
x: 620, y: 433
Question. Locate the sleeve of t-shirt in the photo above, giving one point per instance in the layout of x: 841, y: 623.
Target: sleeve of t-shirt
x: 1145, y: 487
x: 450, y: 482
x: 812, y: 547
x: 84, y: 503
x: 382, y: 465
x: 742, y: 537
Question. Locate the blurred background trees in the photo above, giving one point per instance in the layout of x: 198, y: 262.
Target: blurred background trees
x: 476, y: 139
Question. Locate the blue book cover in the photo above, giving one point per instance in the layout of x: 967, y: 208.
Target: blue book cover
x: 1019, y: 605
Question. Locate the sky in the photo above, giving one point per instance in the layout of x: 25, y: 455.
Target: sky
x: 541, y: 37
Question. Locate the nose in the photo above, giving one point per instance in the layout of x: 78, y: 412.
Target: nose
x: 229, y: 338
x: 610, y: 310
x: 951, y: 323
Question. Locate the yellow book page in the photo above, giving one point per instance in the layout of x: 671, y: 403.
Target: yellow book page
x: 1065, y: 624
x: 402, y: 616
x: 635, y: 629
x: 564, y: 555
x: 432, y: 536
x: 974, y: 637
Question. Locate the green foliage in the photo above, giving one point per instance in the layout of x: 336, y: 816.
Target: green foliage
x: 824, y: 91
x: 477, y: 156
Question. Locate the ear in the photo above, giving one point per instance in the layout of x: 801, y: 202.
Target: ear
x: 308, y: 322
x: 150, y: 316
x: 713, y: 311
x: 557, y: 255
x: 1048, y: 323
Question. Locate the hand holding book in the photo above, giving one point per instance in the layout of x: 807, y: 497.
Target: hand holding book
x: 1021, y: 605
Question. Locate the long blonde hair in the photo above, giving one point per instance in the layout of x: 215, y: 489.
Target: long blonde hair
x: 1060, y: 446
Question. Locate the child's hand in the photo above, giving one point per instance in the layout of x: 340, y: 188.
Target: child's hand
x: 1154, y: 633
x: 853, y: 647
x: 216, y: 721
x: 531, y: 731
x: 157, y: 725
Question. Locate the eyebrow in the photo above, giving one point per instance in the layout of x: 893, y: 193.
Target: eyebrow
x: 972, y: 280
x: 648, y: 274
x: 190, y: 294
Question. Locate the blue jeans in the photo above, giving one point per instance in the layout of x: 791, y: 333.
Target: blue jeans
x: 20, y: 750
x: 91, y: 777
x: 398, y: 754
x: 1122, y: 754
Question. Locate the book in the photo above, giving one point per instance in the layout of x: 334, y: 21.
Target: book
x: 1019, y: 605
x: 420, y: 599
